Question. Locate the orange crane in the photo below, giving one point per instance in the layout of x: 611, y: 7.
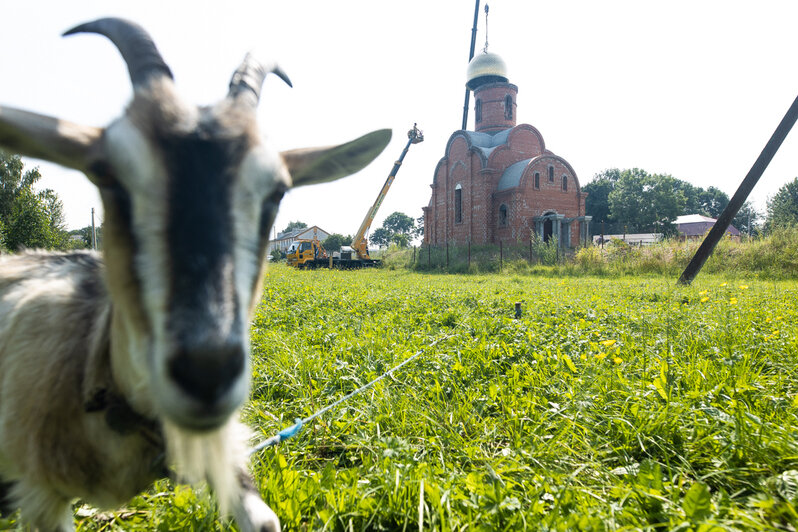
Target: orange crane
x: 359, y: 242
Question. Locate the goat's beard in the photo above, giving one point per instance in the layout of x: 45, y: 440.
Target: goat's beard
x: 216, y: 456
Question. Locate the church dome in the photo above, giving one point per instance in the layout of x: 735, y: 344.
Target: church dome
x: 485, y: 68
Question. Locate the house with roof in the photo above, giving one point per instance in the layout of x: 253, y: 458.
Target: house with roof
x: 499, y: 182
x: 283, y: 241
x: 694, y: 226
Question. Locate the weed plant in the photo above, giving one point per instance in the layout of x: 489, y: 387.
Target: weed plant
x: 771, y: 257
x: 611, y: 404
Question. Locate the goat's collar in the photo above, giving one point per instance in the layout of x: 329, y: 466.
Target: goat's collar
x: 100, y: 393
x: 121, y: 418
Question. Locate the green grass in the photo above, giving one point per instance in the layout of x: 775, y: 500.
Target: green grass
x: 612, y: 404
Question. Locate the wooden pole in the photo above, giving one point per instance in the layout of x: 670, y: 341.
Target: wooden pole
x: 501, y: 256
x: 469, y: 254
x: 728, y: 214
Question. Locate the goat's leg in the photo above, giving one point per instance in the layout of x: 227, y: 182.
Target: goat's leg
x: 43, y: 509
x: 249, y: 510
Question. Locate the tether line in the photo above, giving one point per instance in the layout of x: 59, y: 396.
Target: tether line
x: 294, y: 429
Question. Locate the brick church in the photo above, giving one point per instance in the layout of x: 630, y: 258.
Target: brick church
x: 499, y: 183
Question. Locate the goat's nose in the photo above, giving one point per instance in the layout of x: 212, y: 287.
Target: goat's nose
x: 207, y: 372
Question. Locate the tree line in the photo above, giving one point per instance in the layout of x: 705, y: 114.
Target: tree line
x: 31, y: 219
x: 651, y: 202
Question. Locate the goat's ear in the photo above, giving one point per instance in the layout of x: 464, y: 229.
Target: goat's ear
x: 309, y: 166
x: 43, y: 137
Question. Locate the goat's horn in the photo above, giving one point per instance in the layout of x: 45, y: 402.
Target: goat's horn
x: 250, y: 75
x: 134, y: 43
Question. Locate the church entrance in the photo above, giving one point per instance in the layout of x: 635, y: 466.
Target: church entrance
x: 547, y: 230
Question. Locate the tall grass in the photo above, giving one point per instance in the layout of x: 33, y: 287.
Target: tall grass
x: 771, y: 257
x: 611, y: 404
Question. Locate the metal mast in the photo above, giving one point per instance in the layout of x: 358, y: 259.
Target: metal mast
x: 470, y: 57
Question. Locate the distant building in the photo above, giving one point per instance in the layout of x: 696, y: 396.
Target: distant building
x: 284, y: 240
x: 634, y: 239
x: 500, y: 183
x: 692, y: 226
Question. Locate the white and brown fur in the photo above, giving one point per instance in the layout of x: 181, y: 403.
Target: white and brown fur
x: 114, y: 367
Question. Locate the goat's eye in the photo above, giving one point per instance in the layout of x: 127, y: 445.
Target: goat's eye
x: 269, y: 209
x: 275, y: 197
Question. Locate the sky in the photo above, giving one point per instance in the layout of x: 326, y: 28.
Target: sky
x: 689, y: 88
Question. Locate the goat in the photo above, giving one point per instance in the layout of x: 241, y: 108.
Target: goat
x: 110, y: 363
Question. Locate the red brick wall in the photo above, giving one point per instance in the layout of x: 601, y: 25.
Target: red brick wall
x: 480, y: 201
x: 492, y: 98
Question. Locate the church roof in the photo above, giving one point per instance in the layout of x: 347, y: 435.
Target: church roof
x: 487, y: 142
x: 512, y: 175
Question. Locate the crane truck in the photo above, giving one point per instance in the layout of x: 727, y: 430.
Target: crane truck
x: 311, y: 254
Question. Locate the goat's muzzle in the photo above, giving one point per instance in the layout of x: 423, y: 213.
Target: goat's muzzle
x: 210, y: 382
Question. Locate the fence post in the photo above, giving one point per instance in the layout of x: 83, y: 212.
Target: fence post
x: 501, y: 256
x: 429, y: 256
x: 530, y: 251
x: 414, y: 254
x: 469, y: 253
x: 602, y: 235
x: 447, y: 254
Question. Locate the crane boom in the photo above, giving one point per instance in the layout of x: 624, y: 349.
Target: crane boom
x: 359, y: 243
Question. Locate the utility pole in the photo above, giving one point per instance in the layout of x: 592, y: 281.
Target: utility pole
x: 93, y: 231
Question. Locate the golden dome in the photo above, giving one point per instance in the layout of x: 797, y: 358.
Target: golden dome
x: 485, y: 68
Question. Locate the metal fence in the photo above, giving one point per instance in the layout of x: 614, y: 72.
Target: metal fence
x: 485, y: 257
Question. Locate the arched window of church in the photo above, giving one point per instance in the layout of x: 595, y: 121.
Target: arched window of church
x: 537, y: 180
x: 551, y: 174
x: 565, y: 183
x: 458, y: 204
x: 478, y: 111
x: 503, y: 215
x: 508, y: 107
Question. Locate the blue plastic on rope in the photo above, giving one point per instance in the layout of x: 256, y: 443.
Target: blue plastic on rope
x: 294, y: 429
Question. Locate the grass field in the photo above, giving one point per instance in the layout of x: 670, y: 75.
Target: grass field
x: 612, y: 404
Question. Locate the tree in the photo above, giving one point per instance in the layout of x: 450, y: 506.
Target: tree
x: 399, y: 223
x: 29, y: 225
x: 85, y: 235
x: 712, y: 202
x: 747, y: 219
x: 783, y: 207
x: 381, y: 237
x: 294, y: 226
x: 647, y: 202
x: 598, y: 191
x: 335, y: 241
x: 401, y: 240
x: 29, y: 219
x: 397, y: 228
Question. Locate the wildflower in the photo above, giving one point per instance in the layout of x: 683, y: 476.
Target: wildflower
x: 703, y: 292
x: 617, y: 360
x: 722, y: 284
x: 704, y: 299
x: 743, y: 287
x: 601, y: 356
x: 733, y: 301
x: 608, y: 343
x: 583, y: 356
